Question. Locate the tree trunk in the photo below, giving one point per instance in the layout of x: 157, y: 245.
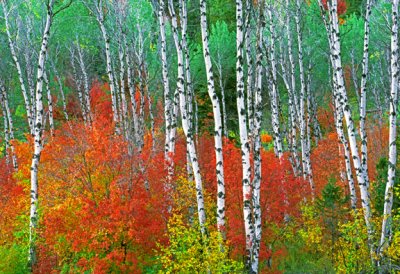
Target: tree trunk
x: 18, y: 67
x: 187, y: 128
x: 217, y: 121
x: 387, y: 208
x: 244, y: 139
x: 362, y: 177
x: 37, y: 135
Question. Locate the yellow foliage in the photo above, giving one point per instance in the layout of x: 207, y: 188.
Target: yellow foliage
x: 353, y: 255
x: 190, y: 252
x: 393, y: 251
x: 311, y: 232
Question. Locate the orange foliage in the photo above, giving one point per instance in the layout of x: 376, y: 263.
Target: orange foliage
x: 266, y: 138
x: 104, y: 208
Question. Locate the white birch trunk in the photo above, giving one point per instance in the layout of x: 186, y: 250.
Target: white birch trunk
x: 343, y: 143
x: 217, y: 121
x: 292, y: 101
x: 18, y: 67
x: 37, y: 135
x: 244, y: 139
x: 249, y: 61
x: 49, y: 103
x: 257, y: 144
x: 308, y: 133
x: 78, y: 84
x: 6, y: 131
x: 86, y: 87
x: 362, y: 177
x: 274, y: 90
x: 363, y: 95
x: 8, y: 127
x: 187, y: 128
x: 386, y: 232
x: 302, y: 114
x: 222, y: 88
x: 61, y: 89
x: 124, y: 107
x: 168, y: 104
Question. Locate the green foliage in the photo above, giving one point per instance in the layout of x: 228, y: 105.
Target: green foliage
x: 13, y: 259
x: 379, y: 186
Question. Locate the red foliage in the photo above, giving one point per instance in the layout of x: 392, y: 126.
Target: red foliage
x: 104, y: 208
x: 341, y: 8
x: 281, y: 193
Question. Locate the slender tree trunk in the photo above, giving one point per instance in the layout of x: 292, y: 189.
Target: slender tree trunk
x: 274, y: 90
x: 18, y: 66
x: 222, y: 88
x: 291, y: 86
x: 132, y: 93
x: 363, y: 95
x: 60, y: 86
x: 217, y: 121
x: 37, y: 135
x: 387, y: 208
x: 86, y: 87
x: 188, y: 78
x: 110, y: 71
x: 302, y: 115
x: 308, y: 132
x: 244, y: 139
x: 124, y: 107
x: 354, y: 76
x: 8, y: 127
x: 257, y: 143
x: 50, y: 103
x: 187, y: 128
x: 168, y: 103
x: 78, y: 84
x: 250, y: 69
x: 6, y: 131
x: 345, y: 146
x: 362, y: 177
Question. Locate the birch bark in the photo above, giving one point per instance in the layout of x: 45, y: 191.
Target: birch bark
x: 187, y: 128
x: 37, y: 134
x: 393, y: 104
x: 17, y: 64
x: 217, y: 120
x: 244, y: 139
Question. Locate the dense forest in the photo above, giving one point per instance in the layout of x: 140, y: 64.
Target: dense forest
x: 208, y: 136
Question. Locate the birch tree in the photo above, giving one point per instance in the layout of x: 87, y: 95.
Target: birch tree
x: 217, y: 119
x: 187, y: 128
x: 98, y: 8
x: 386, y: 232
x: 8, y: 126
x: 305, y: 154
x: 257, y: 140
x: 274, y: 93
x: 168, y: 103
x: 38, y: 126
x: 12, y: 46
x: 244, y: 139
x: 332, y: 26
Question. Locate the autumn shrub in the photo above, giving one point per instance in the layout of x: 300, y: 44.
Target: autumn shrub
x: 189, y: 251
x: 353, y: 255
x: 14, y: 259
